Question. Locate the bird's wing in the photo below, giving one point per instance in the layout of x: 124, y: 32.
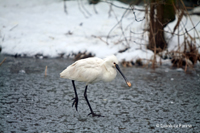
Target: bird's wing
x: 85, y: 70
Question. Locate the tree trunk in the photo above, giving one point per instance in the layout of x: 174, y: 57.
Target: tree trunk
x: 161, y: 13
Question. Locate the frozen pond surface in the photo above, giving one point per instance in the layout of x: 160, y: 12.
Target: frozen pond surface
x: 160, y: 100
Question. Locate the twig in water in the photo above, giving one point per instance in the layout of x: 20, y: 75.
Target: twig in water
x: 2, y: 61
x: 45, y: 72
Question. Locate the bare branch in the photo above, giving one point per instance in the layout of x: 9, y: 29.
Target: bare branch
x: 95, y: 9
x: 99, y: 38
x: 190, y: 19
x: 85, y: 9
x: 65, y: 7
x: 186, y: 31
x: 119, y: 22
x: 110, y: 10
x: 13, y: 27
x: 136, y: 17
x: 81, y: 9
x: 122, y: 7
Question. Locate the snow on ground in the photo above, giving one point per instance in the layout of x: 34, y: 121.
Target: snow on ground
x: 43, y: 27
x: 189, y: 25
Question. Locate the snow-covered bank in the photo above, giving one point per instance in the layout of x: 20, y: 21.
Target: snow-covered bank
x: 43, y: 27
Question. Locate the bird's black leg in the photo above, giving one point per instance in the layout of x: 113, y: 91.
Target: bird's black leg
x: 76, y: 97
x: 92, y: 113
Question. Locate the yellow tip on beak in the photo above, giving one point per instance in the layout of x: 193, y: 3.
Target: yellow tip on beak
x: 128, y: 83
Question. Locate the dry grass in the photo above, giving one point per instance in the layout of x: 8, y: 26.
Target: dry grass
x: 180, y: 58
x: 82, y: 55
x: 187, y: 58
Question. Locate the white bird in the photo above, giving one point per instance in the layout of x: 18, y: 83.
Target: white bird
x: 91, y: 70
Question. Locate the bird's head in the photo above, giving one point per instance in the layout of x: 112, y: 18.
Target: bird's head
x: 113, y: 62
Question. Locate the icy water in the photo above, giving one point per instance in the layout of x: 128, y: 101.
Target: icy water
x: 160, y: 100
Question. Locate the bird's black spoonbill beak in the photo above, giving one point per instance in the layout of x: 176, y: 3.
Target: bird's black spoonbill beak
x: 127, y: 82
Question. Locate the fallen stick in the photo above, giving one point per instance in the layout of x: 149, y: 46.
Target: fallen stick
x: 2, y: 61
x: 45, y: 72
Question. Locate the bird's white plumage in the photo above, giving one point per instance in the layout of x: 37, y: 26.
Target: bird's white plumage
x: 91, y: 70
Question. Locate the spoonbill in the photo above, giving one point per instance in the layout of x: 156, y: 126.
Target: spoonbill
x: 91, y: 70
